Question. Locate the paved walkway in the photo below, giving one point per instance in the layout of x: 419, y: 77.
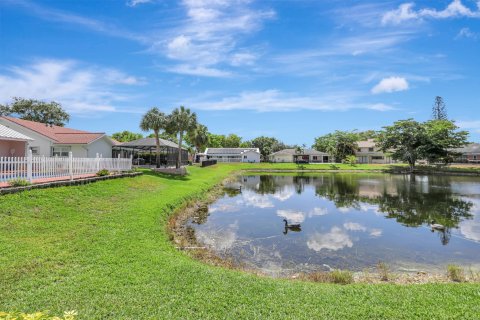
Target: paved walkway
x: 45, y: 180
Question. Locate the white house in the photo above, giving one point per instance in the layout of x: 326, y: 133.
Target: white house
x: 13, y: 143
x: 306, y: 155
x: 46, y: 140
x: 233, y: 154
x: 368, y: 152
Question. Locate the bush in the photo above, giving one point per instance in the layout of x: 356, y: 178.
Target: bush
x: 455, y: 273
x: 103, y: 172
x: 335, y: 276
x: 334, y: 167
x: 19, y: 182
x: 351, y: 160
x: 384, y: 271
x: 68, y: 315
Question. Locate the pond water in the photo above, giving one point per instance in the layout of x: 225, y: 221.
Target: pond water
x: 347, y: 221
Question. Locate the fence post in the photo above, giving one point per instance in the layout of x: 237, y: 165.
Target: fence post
x: 97, y: 162
x: 70, y: 164
x: 131, y: 162
x: 29, y: 165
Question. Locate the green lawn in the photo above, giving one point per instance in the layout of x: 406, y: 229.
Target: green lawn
x: 102, y: 249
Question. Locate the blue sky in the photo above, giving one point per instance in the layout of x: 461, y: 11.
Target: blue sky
x: 291, y: 69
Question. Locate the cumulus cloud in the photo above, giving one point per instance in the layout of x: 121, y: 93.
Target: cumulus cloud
x: 318, y: 212
x: 406, y: 12
x: 391, y: 84
x: 353, y: 226
x: 334, y: 240
x: 253, y: 199
x: 219, y: 239
x: 293, y: 216
x: 467, y: 33
x: 79, y: 88
x: 134, y: 3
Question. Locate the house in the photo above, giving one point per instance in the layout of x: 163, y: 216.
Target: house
x: 233, y: 154
x: 13, y: 143
x: 58, y: 141
x: 470, y: 153
x: 368, y: 152
x: 306, y: 155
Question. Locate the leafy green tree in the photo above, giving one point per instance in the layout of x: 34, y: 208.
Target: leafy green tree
x: 245, y: 144
x: 50, y: 113
x: 339, y: 144
x: 182, y: 120
x: 154, y: 120
x: 366, y: 135
x: 267, y: 145
x: 444, y: 137
x: 126, y: 136
x: 351, y: 160
x: 216, y: 140
x: 406, y: 139
x: 232, y: 141
x: 164, y: 135
x: 199, y: 137
x: 439, y: 109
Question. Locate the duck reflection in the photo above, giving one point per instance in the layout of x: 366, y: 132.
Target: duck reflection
x: 295, y: 227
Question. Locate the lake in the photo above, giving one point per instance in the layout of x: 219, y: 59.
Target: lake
x: 344, y: 221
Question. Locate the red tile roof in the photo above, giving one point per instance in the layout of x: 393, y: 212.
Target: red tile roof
x: 60, y: 135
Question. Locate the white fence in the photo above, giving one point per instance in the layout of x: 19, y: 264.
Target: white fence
x: 31, y: 168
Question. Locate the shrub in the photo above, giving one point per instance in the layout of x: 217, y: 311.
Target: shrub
x: 455, y: 273
x: 103, y: 172
x: 335, y: 276
x: 67, y: 315
x: 334, y: 167
x: 384, y: 271
x: 19, y: 182
x: 351, y: 160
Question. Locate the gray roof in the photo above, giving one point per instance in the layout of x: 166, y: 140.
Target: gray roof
x: 469, y: 148
x: 305, y: 152
x: 211, y: 151
x: 10, y: 134
x: 148, y: 142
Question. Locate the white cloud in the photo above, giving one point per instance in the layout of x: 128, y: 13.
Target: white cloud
x: 220, y: 239
x: 293, y: 216
x: 318, y: 212
x: 406, y: 12
x: 467, y: 33
x: 277, y: 101
x: 253, y: 199
x: 334, y: 240
x: 353, y: 226
x: 391, y: 84
x: 375, y: 233
x: 210, y: 36
x: 284, y: 194
x: 133, y: 3
x: 78, y: 88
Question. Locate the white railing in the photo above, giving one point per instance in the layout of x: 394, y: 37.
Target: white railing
x: 31, y: 168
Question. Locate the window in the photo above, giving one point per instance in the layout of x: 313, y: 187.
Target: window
x: 377, y: 158
x: 314, y: 157
x: 370, y: 149
x: 35, y: 151
x: 60, y: 151
x: 474, y: 157
x: 244, y: 157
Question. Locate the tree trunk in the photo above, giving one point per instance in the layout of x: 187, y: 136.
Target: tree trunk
x: 157, y: 151
x: 179, y: 158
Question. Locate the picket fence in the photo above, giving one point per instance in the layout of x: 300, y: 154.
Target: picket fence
x: 31, y: 168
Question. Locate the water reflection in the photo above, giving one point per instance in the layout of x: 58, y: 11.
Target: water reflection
x: 345, y: 221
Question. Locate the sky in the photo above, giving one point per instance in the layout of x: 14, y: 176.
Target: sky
x: 292, y: 69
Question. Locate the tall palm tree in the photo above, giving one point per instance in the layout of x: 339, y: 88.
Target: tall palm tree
x: 181, y: 121
x: 154, y: 120
x: 199, y: 137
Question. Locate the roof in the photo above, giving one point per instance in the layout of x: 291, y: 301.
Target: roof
x: 9, y: 134
x: 304, y: 152
x: 469, y: 148
x: 211, y: 151
x: 370, y: 143
x: 60, y: 135
x: 148, y: 143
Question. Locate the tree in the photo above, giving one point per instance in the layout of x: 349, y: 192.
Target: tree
x: 267, y: 145
x: 339, y: 144
x: 164, y: 135
x: 181, y: 121
x: 245, y: 144
x: 407, y: 140
x: 232, y: 141
x: 199, y: 137
x: 439, y: 110
x: 366, y: 135
x: 444, y: 137
x: 216, y: 140
x: 126, y: 136
x: 154, y: 120
x: 50, y: 113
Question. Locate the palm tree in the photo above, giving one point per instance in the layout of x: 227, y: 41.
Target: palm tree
x: 181, y: 121
x: 199, y: 137
x: 154, y: 120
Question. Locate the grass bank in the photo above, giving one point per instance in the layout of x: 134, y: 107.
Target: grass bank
x: 103, y: 250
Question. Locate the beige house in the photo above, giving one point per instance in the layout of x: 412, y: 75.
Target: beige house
x: 368, y: 152
x: 307, y: 156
